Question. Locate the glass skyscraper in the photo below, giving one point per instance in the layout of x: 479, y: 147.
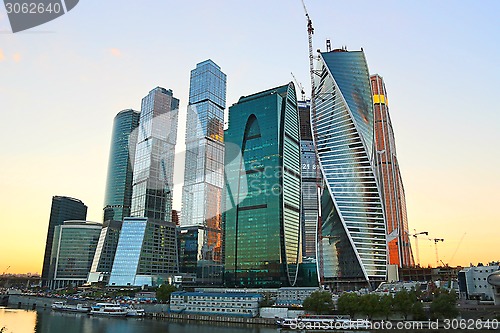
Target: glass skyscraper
x: 154, y: 156
x: 62, y: 209
x: 387, y: 171
x: 353, y: 245
x: 118, y: 197
x: 73, y: 250
x: 146, y: 254
x: 105, y: 252
x: 262, y: 190
x: 147, y: 249
x: 204, y: 171
x: 311, y: 180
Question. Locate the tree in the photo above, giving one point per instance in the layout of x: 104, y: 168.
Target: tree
x: 403, y: 303
x: 349, y: 303
x: 386, y: 305
x: 444, y: 305
x: 370, y: 305
x: 163, y: 292
x: 319, y: 302
x: 417, y: 311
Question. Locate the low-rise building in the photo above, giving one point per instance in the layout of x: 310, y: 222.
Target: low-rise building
x: 478, y: 282
x: 229, y: 304
x: 288, y: 296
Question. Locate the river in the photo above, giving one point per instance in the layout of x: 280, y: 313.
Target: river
x: 48, y: 321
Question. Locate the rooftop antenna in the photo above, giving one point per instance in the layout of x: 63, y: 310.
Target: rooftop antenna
x: 328, y: 46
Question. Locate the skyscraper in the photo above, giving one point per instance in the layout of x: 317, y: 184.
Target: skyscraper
x: 389, y: 175
x: 146, y: 253
x: 73, y: 250
x: 204, y: 170
x: 311, y: 179
x: 353, y: 239
x: 118, y: 197
x: 62, y: 209
x: 154, y: 156
x: 262, y: 190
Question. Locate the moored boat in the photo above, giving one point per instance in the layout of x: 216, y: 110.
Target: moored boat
x: 108, y: 309
x: 62, y: 306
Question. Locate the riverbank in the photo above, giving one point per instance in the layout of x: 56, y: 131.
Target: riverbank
x: 156, y: 311
x: 222, y: 319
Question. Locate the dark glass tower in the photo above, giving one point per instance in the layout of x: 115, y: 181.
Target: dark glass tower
x: 262, y: 190
x: 352, y: 246
x: 63, y: 209
x: 118, y: 197
x: 204, y: 171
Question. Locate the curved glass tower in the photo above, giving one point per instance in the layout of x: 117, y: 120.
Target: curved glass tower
x: 118, y: 197
x: 352, y: 240
x: 262, y: 190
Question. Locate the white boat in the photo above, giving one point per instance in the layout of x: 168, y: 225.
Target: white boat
x: 323, y: 323
x: 134, y: 312
x: 108, y: 309
x: 62, y: 306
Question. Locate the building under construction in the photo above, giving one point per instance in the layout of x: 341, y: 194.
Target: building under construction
x: 389, y: 179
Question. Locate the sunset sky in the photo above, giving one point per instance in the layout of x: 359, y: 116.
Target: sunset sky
x: 62, y: 83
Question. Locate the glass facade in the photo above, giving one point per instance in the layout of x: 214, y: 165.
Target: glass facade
x: 105, y: 252
x: 311, y: 179
x: 73, y: 250
x: 154, y: 156
x: 204, y: 168
x: 118, y: 196
x: 389, y: 178
x: 62, y: 209
x: 262, y: 190
x: 146, y: 253
x: 147, y: 249
x: 352, y: 240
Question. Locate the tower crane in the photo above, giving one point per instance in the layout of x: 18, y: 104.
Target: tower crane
x: 302, y: 91
x: 310, y: 32
x: 415, y: 235
x: 6, y: 270
x: 436, y: 240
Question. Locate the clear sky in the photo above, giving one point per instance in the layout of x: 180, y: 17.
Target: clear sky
x: 62, y: 83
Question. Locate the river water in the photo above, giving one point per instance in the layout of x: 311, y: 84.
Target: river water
x: 48, y: 321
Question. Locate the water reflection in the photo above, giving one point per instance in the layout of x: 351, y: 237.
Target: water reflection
x: 47, y: 321
x: 17, y: 320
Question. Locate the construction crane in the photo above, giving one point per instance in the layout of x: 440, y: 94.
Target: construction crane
x: 415, y: 235
x: 310, y: 32
x: 302, y: 91
x: 436, y: 241
x: 6, y: 270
